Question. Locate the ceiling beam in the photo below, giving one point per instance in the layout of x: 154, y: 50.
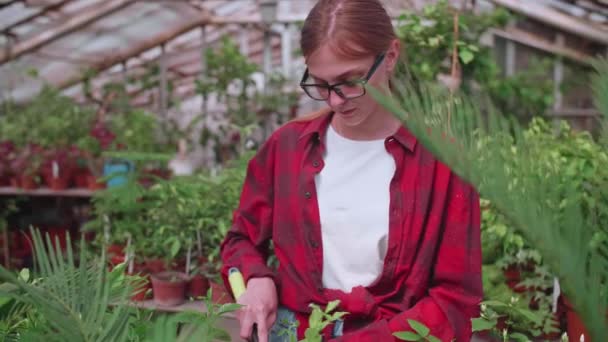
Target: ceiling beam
x: 532, y: 40
x: 139, y: 48
x: 556, y: 19
x: 9, y: 3
x: 54, y: 7
x: 73, y: 23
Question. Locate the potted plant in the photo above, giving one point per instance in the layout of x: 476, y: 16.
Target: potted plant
x: 6, y: 150
x: 26, y: 167
x: 91, y: 161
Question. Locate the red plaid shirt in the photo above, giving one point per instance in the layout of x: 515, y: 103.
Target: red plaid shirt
x: 432, y: 268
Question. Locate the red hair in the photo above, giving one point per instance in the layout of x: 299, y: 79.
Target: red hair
x: 352, y: 28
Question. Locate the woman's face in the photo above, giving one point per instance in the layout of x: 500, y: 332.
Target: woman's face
x: 326, y: 67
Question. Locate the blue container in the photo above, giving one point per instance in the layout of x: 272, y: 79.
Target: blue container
x: 117, y: 171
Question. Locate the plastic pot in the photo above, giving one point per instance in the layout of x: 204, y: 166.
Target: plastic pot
x: 27, y: 182
x: 575, y: 326
x: 220, y: 294
x: 155, y: 265
x: 169, y: 288
x: 93, y: 184
x: 140, y: 292
x: 198, y: 286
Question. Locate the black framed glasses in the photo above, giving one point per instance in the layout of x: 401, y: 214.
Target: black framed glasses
x: 346, y: 90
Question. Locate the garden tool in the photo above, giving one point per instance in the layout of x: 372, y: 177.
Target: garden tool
x: 237, y: 284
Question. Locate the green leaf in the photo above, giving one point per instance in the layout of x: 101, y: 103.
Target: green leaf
x: 466, y: 56
x: 432, y: 338
x: 519, y: 337
x: 24, y: 275
x: 420, y: 328
x: 175, y: 247
x: 407, y: 336
x: 331, y: 306
x: 482, y: 324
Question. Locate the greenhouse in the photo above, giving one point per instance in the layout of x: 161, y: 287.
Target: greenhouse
x: 304, y: 170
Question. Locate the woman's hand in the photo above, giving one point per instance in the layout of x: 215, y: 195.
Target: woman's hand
x: 259, y: 307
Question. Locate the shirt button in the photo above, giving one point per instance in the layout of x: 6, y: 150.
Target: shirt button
x: 314, y: 244
x: 307, y: 194
x: 315, y: 163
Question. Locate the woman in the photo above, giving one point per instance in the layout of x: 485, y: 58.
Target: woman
x: 356, y: 208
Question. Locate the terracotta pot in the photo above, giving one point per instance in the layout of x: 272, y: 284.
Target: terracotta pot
x: 80, y: 178
x: 575, y: 325
x: 169, y: 288
x: 139, y: 293
x: 155, y: 265
x: 5, y: 180
x: 59, y: 233
x: 60, y: 183
x: 116, y: 260
x: 27, y: 182
x: 198, y: 286
x: 93, y: 184
x: 220, y: 294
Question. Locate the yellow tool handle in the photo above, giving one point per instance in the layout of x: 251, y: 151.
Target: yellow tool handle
x: 237, y: 283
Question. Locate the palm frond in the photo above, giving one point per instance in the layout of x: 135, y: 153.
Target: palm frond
x: 481, y: 148
x: 73, y: 298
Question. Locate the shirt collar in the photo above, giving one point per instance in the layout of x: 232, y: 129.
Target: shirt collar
x: 319, y: 122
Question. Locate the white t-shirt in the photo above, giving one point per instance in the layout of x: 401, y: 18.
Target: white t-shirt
x: 353, y: 195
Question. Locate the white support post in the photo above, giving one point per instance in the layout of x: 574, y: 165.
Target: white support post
x: 286, y: 50
x: 558, y: 75
x: 163, y: 85
x: 244, y: 39
x: 267, y: 55
x: 510, y: 58
x: 204, y: 68
x: 124, y: 72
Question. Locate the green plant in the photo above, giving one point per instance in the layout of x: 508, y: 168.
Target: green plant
x: 519, y: 323
x: 75, y: 298
x: 119, y: 212
x: 555, y: 220
x: 420, y: 333
x: 230, y: 79
x: 203, y: 326
x: 49, y: 120
x: 430, y: 42
x: 72, y: 299
x: 136, y: 131
x: 321, y: 318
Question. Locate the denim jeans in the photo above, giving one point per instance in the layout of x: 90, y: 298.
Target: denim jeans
x: 285, y: 327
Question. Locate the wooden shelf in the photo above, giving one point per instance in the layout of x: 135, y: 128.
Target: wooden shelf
x: 11, y: 191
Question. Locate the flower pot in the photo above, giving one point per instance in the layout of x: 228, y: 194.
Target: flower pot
x: 117, y: 171
x: 220, y: 294
x: 198, y: 286
x: 81, y: 178
x: 169, y: 288
x: 59, y: 233
x: 115, y: 249
x: 140, y: 292
x: 27, y: 182
x: 155, y: 265
x: 60, y: 183
x: 5, y: 180
x: 93, y: 184
x: 575, y: 325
